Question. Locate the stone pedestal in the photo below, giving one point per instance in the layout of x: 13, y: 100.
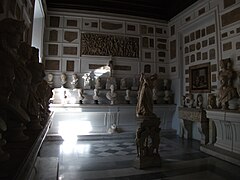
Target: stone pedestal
x: 190, y: 115
x: 147, y: 142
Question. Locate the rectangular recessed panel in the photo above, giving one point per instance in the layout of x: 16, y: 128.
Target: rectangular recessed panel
x: 52, y: 65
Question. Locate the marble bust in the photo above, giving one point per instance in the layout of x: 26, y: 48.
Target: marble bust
x: 123, y: 84
x: 98, y: 84
x: 74, y: 81
x: 111, y: 95
x: 50, y: 79
x: 226, y: 92
x: 63, y: 79
x: 127, y: 96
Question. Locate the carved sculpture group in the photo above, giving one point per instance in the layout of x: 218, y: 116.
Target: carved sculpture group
x: 24, y: 94
x: 227, y: 95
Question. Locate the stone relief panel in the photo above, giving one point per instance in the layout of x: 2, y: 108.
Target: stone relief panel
x: 109, y: 45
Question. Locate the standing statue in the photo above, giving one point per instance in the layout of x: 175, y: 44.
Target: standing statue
x: 95, y: 96
x: 86, y: 83
x: 145, y: 102
x: 81, y: 96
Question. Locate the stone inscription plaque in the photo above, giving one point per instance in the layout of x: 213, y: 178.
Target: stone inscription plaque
x: 111, y: 26
x: 70, y: 50
x: 227, y: 46
x: 173, y: 49
x: 52, y: 49
x: 70, y: 36
x: 72, y: 23
x: 54, y: 21
x: 122, y: 68
x: 231, y: 17
x: 96, y: 66
x: 131, y: 27
x: 52, y: 65
x: 53, y: 35
x: 70, y: 66
x: 228, y: 3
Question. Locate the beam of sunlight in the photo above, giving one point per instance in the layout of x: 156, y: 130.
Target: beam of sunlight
x: 69, y: 130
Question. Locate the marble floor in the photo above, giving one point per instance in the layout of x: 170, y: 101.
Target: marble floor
x: 112, y: 159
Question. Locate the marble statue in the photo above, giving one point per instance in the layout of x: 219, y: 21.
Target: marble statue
x: 81, y: 96
x: 199, y: 101
x: 189, y: 100
x: 63, y: 80
x: 167, y: 97
x: 127, y: 96
x: 212, y: 102
x: 134, y: 84
x: 226, y: 70
x: 95, y: 96
x: 12, y: 74
x: 226, y: 92
x: 34, y: 102
x: 111, y: 81
x: 98, y: 83
x: 155, y: 95
x: 111, y: 95
x: 166, y: 84
x: 145, y: 103
x: 50, y: 79
x: 74, y: 81
x: 123, y: 84
x: 86, y: 82
x: 4, y: 156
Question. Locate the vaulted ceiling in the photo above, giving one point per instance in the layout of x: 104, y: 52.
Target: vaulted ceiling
x: 157, y: 9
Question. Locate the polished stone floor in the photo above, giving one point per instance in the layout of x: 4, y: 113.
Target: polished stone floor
x: 112, y: 159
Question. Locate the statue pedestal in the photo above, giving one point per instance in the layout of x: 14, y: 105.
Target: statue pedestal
x: 147, y: 142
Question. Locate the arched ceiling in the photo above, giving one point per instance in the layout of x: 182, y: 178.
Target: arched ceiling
x: 157, y: 9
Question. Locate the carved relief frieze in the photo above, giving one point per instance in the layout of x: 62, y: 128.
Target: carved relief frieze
x: 106, y: 45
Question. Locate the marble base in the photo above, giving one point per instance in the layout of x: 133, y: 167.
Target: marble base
x: 147, y: 162
x: 220, y: 153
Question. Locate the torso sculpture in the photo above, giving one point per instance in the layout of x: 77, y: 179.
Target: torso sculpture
x: 145, y: 102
